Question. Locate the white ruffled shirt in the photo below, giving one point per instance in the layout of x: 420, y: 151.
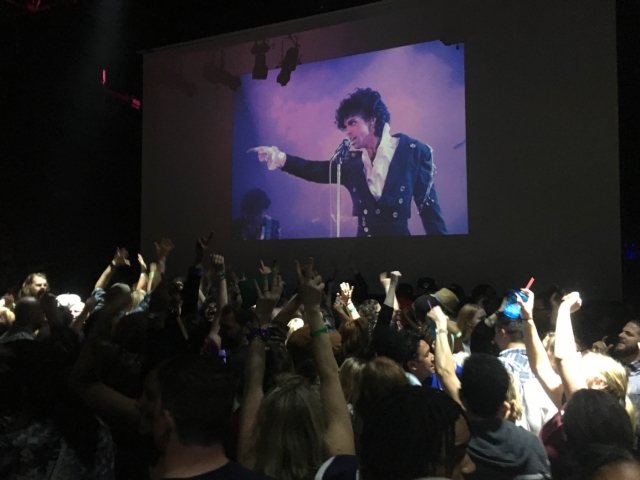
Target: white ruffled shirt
x: 376, y: 171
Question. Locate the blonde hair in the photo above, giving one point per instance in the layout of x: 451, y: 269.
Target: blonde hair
x: 289, y: 436
x: 514, y: 400
x: 613, y: 374
x: 350, y: 378
x: 136, y: 298
x: 465, y: 316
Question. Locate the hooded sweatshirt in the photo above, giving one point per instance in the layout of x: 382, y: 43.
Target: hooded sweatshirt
x: 504, y: 451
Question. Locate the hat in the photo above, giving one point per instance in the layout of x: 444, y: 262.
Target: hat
x: 447, y: 300
x: 443, y: 297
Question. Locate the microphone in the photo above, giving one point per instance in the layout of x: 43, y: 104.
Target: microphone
x: 341, y: 150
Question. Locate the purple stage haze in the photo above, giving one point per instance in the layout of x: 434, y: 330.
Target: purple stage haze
x: 423, y: 88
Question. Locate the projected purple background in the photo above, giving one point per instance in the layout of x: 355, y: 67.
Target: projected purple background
x: 423, y: 88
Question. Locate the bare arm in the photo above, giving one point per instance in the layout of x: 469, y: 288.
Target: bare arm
x: 339, y: 433
x: 339, y: 310
x: 445, y: 364
x: 386, y: 284
x: 142, y: 281
x: 567, y: 356
x: 120, y: 258
x: 163, y: 249
x: 538, y: 358
x: 251, y: 401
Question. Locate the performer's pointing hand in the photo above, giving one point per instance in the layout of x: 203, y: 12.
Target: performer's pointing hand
x: 274, y: 157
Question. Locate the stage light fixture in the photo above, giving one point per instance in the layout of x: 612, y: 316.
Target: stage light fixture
x: 219, y: 76
x: 260, y: 69
x: 290, y: 61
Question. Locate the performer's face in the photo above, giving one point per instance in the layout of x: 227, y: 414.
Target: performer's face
x: 360, y: 131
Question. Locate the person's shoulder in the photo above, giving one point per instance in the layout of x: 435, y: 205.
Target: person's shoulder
x: 411, y: 142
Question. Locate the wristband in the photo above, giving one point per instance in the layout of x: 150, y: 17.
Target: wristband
x: 441, y: 330
x: 351, y: 308
x: 254, y: 333
x: 143, y: 274
x: 458, y: 335
x: 151, y: 275
x: 319, y: 331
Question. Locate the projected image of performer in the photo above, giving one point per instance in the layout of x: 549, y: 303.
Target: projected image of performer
x: 382, y: 172
x: 254, y: 224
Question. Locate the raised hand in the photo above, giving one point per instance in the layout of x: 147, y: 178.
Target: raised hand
x: 311, y: 286
x: 385, y: 281
x: 264, y: 270
x: 395, y: 278
x: 571, y: 301
x: 602, y: 346
x: 346, y: 291
x: 163, y: 249
x: 202, y: 243
x: 273, y: 157
x: 438, y: 317
x: 143, y: 266
x: 121, y: 257
x: 526, y: 308
x: 267, y: 298
x: 217, y: 263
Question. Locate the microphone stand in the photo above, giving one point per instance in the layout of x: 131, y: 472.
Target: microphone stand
x: 339, y: 157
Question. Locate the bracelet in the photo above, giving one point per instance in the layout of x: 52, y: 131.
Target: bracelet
x: 458, y: 335
x: 143, y: 274
x: 254, y: 333
x: 319, y: 331
x: 441, y: 330
x: 151, y: 275
x: 351, y: 308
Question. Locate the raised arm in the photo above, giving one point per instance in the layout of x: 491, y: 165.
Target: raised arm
x: 340, y: 310
x: 251, y: 401
x: 163, y: 249
x: 445, y: 364
x: 120, y: 258
x: 267, y: 299
x: 219, y: 279
x: 567, y: 356
x: 538, y: 358
x: 339, y: 433
x: 346, y: 291
x: 142, y: 281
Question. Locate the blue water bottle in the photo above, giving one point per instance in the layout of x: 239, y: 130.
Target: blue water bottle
x: 512, y: 309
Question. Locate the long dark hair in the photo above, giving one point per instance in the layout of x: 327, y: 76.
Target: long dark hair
x: 406, y: 432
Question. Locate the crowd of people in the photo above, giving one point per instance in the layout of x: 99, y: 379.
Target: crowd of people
x: 211, y: 376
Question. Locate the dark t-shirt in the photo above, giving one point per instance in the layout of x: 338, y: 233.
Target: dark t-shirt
x: 231, y: 471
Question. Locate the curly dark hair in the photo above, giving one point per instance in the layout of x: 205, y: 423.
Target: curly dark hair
x: 254, y: 201
x: 368, y: 104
